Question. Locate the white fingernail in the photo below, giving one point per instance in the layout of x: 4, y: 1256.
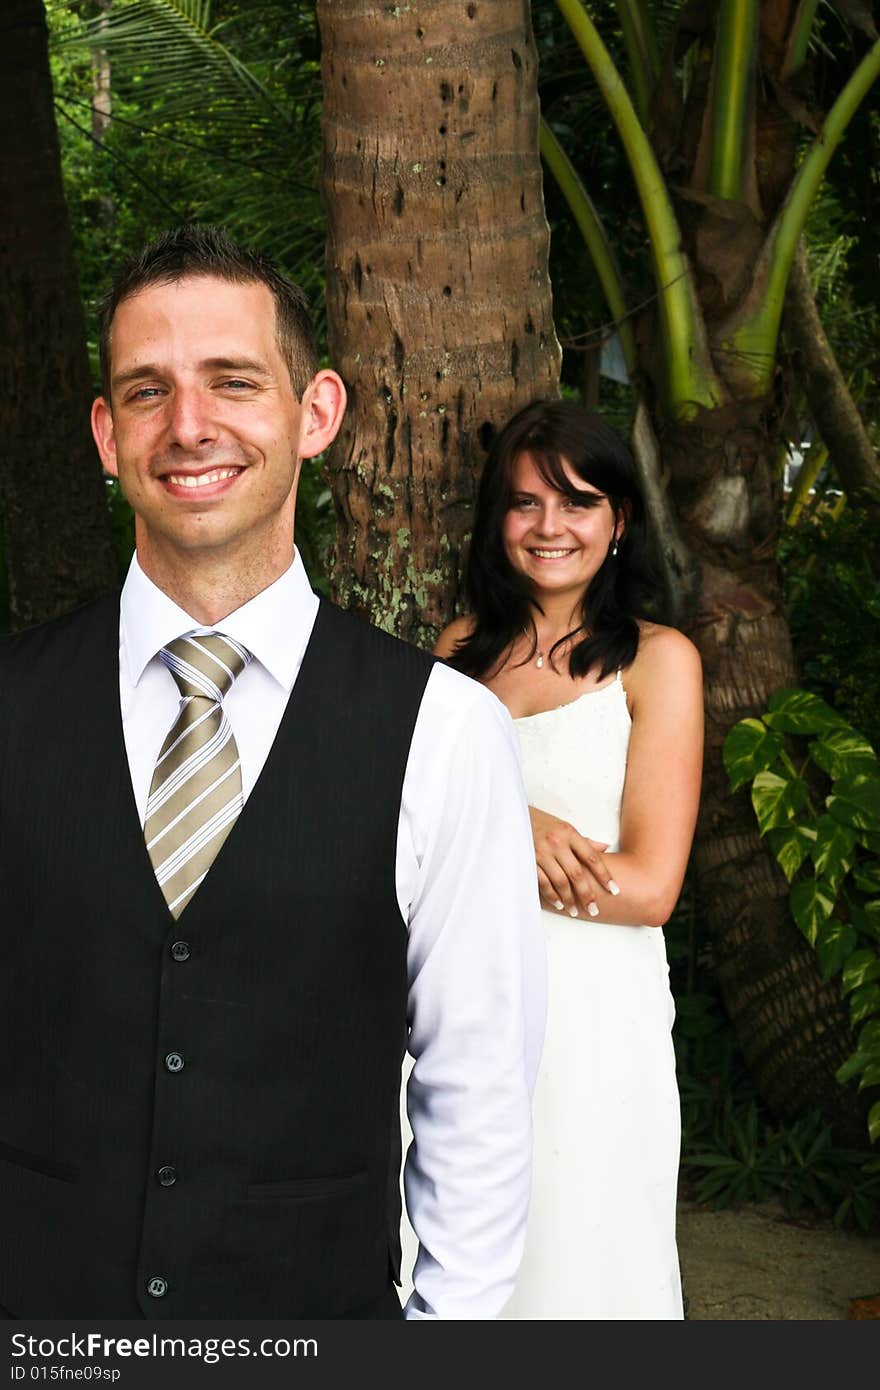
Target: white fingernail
x: 612, y: 887
x: 572, y: 912
x: 559, y: 905
x: 592, y: 909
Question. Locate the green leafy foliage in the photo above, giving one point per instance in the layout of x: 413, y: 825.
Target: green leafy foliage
x: 864, y: 1003
x: 732, y: 1149
x: 791, y: 844
x: 856, y: 801
x: 777, y: 800
x: 812, y: 906
x: 215, y: 117
x: 816, y: 793
x: 842, y: 750
x: 834, y: 846
x: 833, y: 602
x: 799, y: 1164
x: 801, y: 712
x: 843, y: 258
x: 751, y: 748
x: 835, y: 942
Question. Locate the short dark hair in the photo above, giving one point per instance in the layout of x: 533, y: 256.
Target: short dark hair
x: 554, y: 433
x: 204, y: 250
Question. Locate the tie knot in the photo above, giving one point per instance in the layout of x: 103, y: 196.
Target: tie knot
x: 206, y: 664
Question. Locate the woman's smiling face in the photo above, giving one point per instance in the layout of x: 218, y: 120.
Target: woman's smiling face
x: 556, y: 541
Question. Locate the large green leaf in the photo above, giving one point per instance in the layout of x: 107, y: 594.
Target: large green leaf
x: 867, y: 876
x: 777, y: 800
x: 791, y: 844
x: 870, y: 1076
x: 861, y: 968
x: 749, y: 748
x: 874, y: 1122
x: 869, y: 1037
x: 865, y: 917
x: 851, y: 1067
x: 833, y: 851
x: 812, y: 904
x: 844, y: 751
x: 863, y: 1003
x: 835, y: 943
x: 800, y: 712
x: 855, y: 801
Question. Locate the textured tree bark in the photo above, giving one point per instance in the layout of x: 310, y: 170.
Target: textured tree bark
x: 55, y: 527
x: 438, y: 298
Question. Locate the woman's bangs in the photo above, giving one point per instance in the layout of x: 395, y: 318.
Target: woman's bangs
x: 552, y: 470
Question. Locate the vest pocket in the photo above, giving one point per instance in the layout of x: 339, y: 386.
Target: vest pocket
x: 307, y: 1189
x: 37, y: 1163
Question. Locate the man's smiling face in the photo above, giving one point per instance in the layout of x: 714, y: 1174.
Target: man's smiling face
x: 203, y: 426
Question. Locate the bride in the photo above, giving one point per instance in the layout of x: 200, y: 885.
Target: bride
x: 608, y: 710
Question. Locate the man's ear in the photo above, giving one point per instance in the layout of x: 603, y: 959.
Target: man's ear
x: 105, y: 438
x: 323, y: 406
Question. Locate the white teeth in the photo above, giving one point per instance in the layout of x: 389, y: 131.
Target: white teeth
x: 551, y: 554
x: 202, y: 479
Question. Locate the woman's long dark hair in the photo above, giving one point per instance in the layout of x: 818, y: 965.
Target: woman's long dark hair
x: 554, y: 433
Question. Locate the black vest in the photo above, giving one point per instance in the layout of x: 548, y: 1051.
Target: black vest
x: 260, y: 1177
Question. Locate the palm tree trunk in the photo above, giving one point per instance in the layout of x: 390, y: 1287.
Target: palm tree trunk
x: 438, y: 298
x: 56, y: 532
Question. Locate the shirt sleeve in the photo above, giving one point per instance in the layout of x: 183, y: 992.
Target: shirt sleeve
x: 477, y: 999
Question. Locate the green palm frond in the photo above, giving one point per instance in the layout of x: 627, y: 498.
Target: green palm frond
x: 231, y: 125
x: 166, y: 51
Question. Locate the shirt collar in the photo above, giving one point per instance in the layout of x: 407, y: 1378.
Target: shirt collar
x: 275, y: 625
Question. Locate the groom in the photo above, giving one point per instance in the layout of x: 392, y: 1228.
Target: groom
x: 250, y: 850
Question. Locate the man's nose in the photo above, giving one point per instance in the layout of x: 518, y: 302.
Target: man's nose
x: 191, y: 423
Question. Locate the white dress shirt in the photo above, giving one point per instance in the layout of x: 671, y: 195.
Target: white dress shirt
x: 467, y: 890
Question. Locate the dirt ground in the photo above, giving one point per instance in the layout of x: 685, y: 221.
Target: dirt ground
x: 756, y: 1263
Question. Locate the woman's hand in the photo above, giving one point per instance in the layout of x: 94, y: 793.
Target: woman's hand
x: 571, y: 869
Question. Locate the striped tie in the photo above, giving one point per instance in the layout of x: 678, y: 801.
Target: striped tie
x: 195, y: 796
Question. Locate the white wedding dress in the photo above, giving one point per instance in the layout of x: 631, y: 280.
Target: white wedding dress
x: 601, y: 1232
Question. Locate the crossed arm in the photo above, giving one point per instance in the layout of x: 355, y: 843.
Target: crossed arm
x: 660, y: 800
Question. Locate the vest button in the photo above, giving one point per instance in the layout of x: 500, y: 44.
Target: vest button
x: 167, y: 1175
x: 180, y: 950
x: 157, y: 1288
x: 174, y: 1062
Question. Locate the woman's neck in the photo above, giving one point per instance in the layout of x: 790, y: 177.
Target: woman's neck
x: 557, y: 618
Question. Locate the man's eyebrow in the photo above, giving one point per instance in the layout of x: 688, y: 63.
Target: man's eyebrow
x: 213, y: 364
x: 237, y: 364
x: 134, y: 374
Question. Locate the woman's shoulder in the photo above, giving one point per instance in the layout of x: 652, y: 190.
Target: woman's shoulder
x: 664, y: 654
x: 453, y: 635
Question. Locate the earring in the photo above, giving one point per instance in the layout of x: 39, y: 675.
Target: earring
x: 614, y: 547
